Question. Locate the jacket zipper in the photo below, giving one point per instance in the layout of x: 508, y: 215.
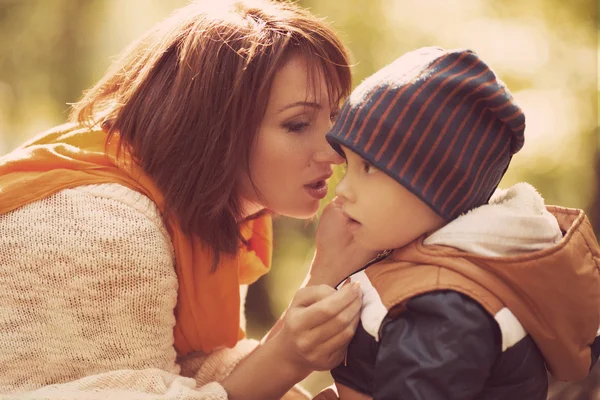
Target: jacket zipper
x: 377, y: 258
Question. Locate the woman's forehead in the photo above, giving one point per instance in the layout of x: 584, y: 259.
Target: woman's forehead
x: 298, y: 80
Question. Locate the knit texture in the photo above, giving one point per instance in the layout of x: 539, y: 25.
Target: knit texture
x: 439, y: 122
x: 208, y: 300
x: 149, y: 384
x: 87, y: 290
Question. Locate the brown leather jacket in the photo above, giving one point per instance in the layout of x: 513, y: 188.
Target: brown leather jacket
x: 440, y: 323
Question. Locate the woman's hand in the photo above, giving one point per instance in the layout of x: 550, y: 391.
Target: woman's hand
x: 337, y: 254
x: 328, y: 393
x: 297, y: 393
x: 318, y: 326
x: 312, y: 335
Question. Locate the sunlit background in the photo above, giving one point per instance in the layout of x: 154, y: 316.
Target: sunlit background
x: 545, y: 50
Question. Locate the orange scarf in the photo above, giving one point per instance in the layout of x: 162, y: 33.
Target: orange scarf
x: 208, y: 303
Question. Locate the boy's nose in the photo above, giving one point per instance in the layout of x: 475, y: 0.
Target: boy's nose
x: 343, y: 190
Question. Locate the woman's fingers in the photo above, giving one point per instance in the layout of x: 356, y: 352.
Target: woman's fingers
x: 327, y: 394
x: 312, y: 294
x: 341, y: 336
x: 330, y: 306
x: 337, y: 253
x: 343, y: 323
x: 319, y: 324
x: 327, y: 327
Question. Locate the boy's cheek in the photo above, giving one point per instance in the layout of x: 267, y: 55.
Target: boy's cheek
x: 370, y: 240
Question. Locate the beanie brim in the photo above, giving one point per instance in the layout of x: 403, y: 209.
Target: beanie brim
x: 336, y: 143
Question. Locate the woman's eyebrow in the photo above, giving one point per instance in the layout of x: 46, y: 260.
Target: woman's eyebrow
x: 301, y: 104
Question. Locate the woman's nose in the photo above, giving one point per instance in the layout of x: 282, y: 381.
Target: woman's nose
x: 326, y: 154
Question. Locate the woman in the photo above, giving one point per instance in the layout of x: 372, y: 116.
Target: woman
x: 126, y: 235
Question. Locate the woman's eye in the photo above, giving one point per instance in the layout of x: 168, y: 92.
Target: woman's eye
x: 296, y: 127
x: 333, y: 116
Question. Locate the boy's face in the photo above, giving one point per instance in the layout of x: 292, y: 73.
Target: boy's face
x: 382, y: 214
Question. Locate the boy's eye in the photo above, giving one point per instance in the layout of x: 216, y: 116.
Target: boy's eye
x: 368, y: 168
x: 333, y: 116
x: 344, y: 167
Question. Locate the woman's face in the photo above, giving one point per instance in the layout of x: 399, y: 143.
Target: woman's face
x: 291, y: 160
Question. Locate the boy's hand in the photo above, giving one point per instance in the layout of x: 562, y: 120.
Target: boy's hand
x: 337, y: 254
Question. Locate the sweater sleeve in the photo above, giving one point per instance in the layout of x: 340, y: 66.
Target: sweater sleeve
x: 148, y: 384
x: 220, y: 363
x: 87, y: 293
x: 217, y: 365
x: 442, y: 347
x: 88, y: 286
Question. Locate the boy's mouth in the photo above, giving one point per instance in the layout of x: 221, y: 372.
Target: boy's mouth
x: 352, y: 223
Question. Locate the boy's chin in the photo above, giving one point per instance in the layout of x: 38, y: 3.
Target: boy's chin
x: 370, y: 245
x: 382, y: 246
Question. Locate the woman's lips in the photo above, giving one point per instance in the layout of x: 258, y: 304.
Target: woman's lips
x: 317, y: 190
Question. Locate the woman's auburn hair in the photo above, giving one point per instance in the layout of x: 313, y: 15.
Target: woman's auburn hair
x: 187, y: 98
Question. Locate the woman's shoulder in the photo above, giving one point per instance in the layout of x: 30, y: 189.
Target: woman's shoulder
x: 132, y: 206
x: 89, y: 279
x: 101, y: 214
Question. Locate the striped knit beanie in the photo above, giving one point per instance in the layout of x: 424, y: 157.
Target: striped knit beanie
x: 437, y: 121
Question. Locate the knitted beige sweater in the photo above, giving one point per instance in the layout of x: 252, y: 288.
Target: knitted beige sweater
x: 87, y: 292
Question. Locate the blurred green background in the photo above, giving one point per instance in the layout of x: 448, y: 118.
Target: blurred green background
x: 545, y: 50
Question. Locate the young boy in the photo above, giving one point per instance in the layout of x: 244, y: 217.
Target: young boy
x: 476, y: 296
